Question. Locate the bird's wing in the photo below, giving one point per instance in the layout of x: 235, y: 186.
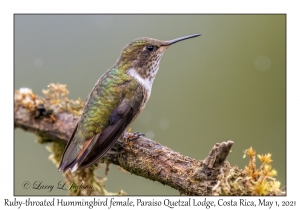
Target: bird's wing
x: 94, y: 148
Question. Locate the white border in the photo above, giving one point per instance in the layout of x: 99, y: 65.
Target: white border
x: 8, y: 8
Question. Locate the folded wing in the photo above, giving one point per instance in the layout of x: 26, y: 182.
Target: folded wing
x: 94, y: 148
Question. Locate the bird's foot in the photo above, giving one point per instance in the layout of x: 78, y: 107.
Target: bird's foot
x: 134, y: 136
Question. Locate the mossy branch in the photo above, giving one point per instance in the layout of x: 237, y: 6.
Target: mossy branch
x: 53, y: 118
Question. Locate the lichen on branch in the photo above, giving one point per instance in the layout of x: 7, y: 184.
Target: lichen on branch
x: 54, y: 116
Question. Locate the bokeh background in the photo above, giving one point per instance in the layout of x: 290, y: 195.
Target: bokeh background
x: 228, y: 84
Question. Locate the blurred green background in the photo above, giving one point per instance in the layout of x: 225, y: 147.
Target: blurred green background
x: 228, y: 84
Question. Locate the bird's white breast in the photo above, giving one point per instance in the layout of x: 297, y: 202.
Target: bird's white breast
x: 145, y: 82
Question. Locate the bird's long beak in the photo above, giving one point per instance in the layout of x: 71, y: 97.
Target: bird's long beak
x: 167, y: 43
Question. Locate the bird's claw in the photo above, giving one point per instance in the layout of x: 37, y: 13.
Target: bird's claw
x: 135, y: 136
x: 138, y: 134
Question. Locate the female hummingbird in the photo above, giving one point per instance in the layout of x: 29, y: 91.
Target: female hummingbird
x: 119, y: 95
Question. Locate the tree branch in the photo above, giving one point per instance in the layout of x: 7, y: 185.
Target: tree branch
x: 143, y: 157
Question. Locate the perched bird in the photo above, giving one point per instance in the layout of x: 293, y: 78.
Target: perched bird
x: 119, y: 95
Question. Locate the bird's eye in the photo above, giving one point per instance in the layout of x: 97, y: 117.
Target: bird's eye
x: 150, y: 48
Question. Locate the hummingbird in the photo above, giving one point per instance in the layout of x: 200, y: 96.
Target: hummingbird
x: 117, y: 98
